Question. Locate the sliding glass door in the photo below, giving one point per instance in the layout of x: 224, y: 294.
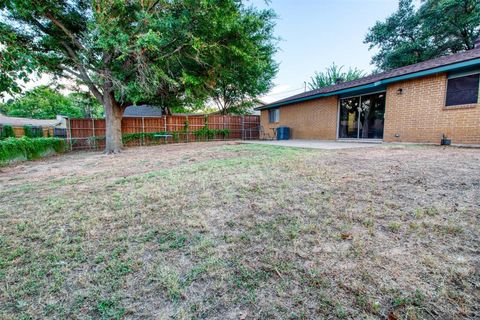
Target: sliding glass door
x: 348, y: 127
x: 362, y: 117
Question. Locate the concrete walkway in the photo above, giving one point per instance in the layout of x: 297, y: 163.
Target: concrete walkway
x: 316, y: 144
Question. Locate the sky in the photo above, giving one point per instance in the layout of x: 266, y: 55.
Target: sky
x: 315, y: 33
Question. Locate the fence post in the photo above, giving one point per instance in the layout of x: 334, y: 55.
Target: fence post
x: 143, y: 131
x: 206, y: 125
x: 93, y: 132
x: 69, y: 124
x: 187, y: 129
x: 165, y: 126
x: 243, y: 127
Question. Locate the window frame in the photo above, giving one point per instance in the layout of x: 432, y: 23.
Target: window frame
x: 461, y: 75
x: 276, y: 117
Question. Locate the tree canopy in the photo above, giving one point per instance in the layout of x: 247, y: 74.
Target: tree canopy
x: 157, y: 52
x: 15, y: 62
x: 436, y: 28
x: 248, y: 71
x: 332, y: 75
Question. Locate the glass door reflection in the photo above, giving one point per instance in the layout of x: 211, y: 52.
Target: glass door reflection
x: 348, y: 127
x: 362, y: 117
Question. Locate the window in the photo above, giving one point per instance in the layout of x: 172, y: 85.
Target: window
x: 462, y: 90
x: 273, y: 115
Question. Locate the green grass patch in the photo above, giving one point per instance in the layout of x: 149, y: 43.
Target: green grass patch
x: 240, y: 231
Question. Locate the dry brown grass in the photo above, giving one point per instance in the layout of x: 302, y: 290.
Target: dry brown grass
x: 227, y: 231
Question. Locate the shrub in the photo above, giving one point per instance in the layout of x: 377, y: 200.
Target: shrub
x: 7, y: 132
x: 207, y: 133
x: 127, y: 137
x: 25, y: 148
x: 33, y: 132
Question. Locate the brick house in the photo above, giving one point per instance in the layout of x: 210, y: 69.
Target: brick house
x: 416, y: 103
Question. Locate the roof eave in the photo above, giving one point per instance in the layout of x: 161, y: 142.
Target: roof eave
x: 458, y: 65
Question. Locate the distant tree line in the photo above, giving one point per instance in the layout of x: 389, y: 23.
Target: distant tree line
x: 44, y: 102
x: 412, y: 35
x: 435, y: 29
x: 333, y: 75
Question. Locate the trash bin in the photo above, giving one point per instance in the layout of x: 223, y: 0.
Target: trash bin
x: 283, y: 133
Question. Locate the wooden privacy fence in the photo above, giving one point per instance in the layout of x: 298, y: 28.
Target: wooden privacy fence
x: 19, y: 131
x: 90, y: 133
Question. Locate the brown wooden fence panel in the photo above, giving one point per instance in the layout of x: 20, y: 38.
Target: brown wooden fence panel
x: 18, y: 132
x: 217, y: 122
x: 90, y: 133
x: 251, y: 128
x: 195, y: 124
x: 82, y: 134
x: 154, y: 124
x: 99, y: 126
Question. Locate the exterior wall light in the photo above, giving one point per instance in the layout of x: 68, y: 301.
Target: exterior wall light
x: 399, y: 91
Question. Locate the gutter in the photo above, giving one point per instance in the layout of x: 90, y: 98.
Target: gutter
x: 386, y: 81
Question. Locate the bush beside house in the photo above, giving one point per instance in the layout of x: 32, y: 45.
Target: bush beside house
x: 6, y: 132
x: 34, y: 131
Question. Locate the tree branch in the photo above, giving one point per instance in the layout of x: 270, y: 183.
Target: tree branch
x: 83, y: 73
x: 153, y: 5
x: 76, y: 74
x: 65, y: 30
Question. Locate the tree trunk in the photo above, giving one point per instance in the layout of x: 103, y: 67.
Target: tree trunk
x: 113, y: 123
x: 166, y: 111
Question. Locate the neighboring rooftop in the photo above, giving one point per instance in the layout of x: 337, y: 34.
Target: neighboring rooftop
x: 143, y: 111
x: 14, y: 121
x: 433, y: 64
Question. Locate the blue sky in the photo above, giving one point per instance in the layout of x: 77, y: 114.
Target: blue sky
x: 315, y: 33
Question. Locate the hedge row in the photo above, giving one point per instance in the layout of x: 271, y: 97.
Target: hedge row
x: 33, y: 131
x: 13, y: 149
x: 202, y: 133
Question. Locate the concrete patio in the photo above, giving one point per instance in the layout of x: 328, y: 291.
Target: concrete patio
x: 317, y: 144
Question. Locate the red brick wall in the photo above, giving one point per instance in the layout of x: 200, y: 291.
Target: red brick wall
x: 315, y: 119
x: 419, y: 113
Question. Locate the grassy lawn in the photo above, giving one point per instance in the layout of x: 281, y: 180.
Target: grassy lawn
x: 230, y: 231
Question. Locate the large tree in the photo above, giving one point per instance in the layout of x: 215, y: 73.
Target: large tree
x: 332, y: 75
x: 160, y: 52
x: 248, y: 71
x: 436, y: 28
